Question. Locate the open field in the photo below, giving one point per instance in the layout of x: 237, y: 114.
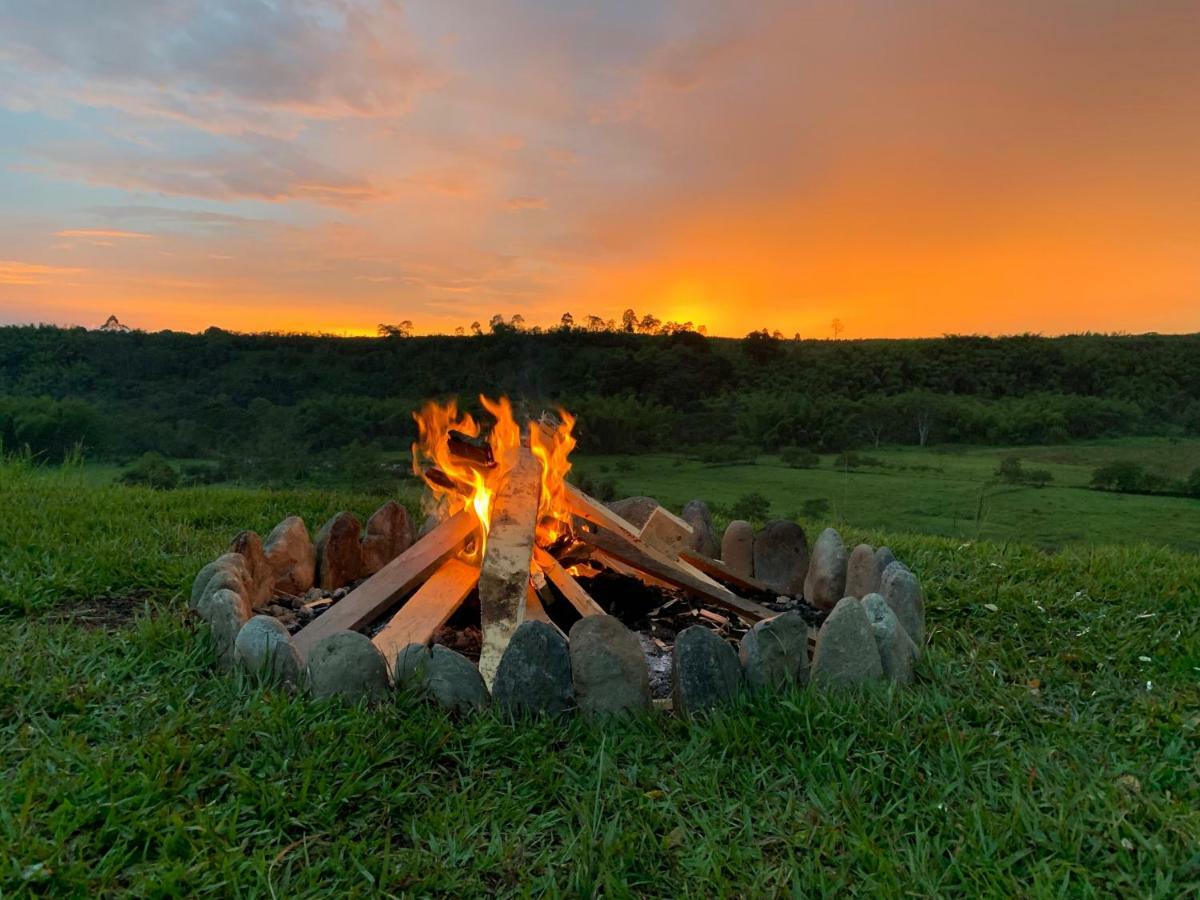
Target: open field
x: 1051, y: 746
x: 944, y: 491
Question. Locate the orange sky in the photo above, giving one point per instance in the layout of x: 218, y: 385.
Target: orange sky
x: 910, y: 169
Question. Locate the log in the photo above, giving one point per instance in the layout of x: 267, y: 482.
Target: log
x: 567, y: 586
x: 475, y: 450
x: 428, y: 609
x: 629, y: 571
x: 633, y: 553
x: 385, y: 588
x: 667, y: 532
x: 535, y: 612
x: 718, y: 570
x: 504, y: 577
x: 592, y: 510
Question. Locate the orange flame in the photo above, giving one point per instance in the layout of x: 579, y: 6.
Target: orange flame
x: 457, y: 483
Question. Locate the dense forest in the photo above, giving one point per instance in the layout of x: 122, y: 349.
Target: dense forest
x: 259, y: 396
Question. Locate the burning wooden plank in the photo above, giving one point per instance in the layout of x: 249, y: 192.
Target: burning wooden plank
x: 632, y: 552
x: 568, y: 586
x: 535, y: 612
x: 428, y: 609
x: 377, y: 594
x: 592, y: 510
x: 504, y: 578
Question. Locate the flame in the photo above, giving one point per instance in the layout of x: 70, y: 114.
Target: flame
x: 457, y: 483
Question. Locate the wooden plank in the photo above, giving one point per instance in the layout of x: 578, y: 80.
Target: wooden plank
x: 629, y: 571
x: 535, y: 612
x: 633, y: 553
x: 667, y: 532
x: 592, y: 510
x: 722, y: 572
x: 567, y: 586
x: 428, y: 609
x: 504, y: 577
x: 385, y: 588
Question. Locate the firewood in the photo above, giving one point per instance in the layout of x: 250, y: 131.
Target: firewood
x: 718, y: 570
x: 568, y: 586
x: 667, y: 532
x: 634, y: 553
x: 386, y: 587
x: 475, y: 450
x: 535, y: 612
x: 504, y: 577
x: 592, y: 510
x: 428, y: 609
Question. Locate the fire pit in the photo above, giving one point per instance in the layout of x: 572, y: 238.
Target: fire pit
x: 525, y: 592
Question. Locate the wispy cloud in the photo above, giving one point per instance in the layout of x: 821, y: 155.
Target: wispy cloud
x: 100, y: 233
x: 25, y: 273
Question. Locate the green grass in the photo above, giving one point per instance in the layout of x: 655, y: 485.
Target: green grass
x: 1052, y: 745
x: 944, y: 491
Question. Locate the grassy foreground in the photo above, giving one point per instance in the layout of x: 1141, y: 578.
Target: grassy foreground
x: 1052, y: 746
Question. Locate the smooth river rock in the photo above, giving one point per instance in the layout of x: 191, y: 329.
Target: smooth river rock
x: 774, y: 653
x: 411, y: 669
x: 264, y: 649
x: 704, y: 539
x: 781, y: 558
x: 454, y: 681
x: 389, y: 533
x: 346, y: 666
x: 227, y: 613
x: 705, y: 671
x: 737, y: 548
x: 902, y: 592
x: 897, y: 652
x: 862, y: 572
x: 846, y: 653
x: 884, y: 557
x: 825, y: 584
x: 226, y: 572
x: 292, y: 557
x: 262, y: 579
x: 608, y: 668
x: 339, y: 553
x: 634, y: 510
x: 534, y: 675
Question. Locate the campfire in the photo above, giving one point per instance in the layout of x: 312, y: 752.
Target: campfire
x: 513, y: 528
x: 515, y: 556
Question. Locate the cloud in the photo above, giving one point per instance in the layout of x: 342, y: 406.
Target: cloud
x: 519, y: 203
x: 99, y: 233
x: 24, y: 273
x: 218, y: 64
x: 254, y: 166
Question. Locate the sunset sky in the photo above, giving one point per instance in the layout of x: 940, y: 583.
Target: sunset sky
x: 910, y: 168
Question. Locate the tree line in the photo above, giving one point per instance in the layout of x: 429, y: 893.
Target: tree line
x: 259, y: 397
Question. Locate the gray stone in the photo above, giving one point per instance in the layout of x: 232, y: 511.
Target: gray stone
x: 292, y: 557
x: 411, y: 671
x: 706, y: 672
x: 389, y: 533
x: 884, y: 557
x: 262, y: 579
x: 737, y: 548
x: 454, y: 682
x: 232, y: 566
x: 227, y: 613
x: 264, y: 649
x: 339, y: 553
x: 825, y: 584
x: 634, y: 510
x: 781, y: 556
x: 902, y: 592
x: 608, y: 668
x: 897, y: 652
x: 431, y: 522
x: 774, y: 653
x: 862, y: 572
x: 346, y: 666
x: 846, y: 653
x: 704, y: 539
x: 534, y: 675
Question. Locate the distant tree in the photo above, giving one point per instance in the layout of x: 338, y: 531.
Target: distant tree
x: 517, y: 322
x: 496, y: 323
x: 476, y: 328
x: 113, y: 324
x: 753, y: 507
x: 153, y: 471
x: 567, y: 322
x: 1010, y: 471
x: 649, y: 324
x: 629, y: 321
x: 837, y: 327
x: 1125, y: 476
x: 1191, y: 487
x: 799, y: 458
x: 761, y: 347
x: 594, y: 324
x: 399, y: 330
x: 702, y: 329
x: 459, y: 331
